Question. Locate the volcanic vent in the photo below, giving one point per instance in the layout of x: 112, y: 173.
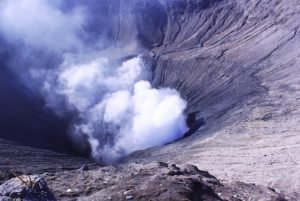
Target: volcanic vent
x: 229, y: 66
x: 101, y: 92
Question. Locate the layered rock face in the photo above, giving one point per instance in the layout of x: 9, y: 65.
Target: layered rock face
x: 236, y: 62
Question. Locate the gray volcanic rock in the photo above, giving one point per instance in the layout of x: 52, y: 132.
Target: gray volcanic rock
x: 31, y: 188
x: 236, y: 62
x: 26, y: 160
x: 24, y: 118
x: 155, y: 181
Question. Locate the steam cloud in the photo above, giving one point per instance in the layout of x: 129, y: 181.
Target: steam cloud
x: 115, y: 106
x: 40, y: 24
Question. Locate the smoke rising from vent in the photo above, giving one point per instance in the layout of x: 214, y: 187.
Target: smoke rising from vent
x: 118, y: 110
x: 40, y: 24
x: 112, y: 101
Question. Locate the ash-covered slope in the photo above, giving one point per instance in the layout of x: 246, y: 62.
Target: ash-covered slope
x: 236, y: 62
x: 24, y: 118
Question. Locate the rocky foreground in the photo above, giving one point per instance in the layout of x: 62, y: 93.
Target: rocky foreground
x: 155, y: 181
x: 236, y: 62
x: 46, y: 175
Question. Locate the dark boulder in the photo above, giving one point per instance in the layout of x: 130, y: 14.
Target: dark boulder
x: 26, y: 188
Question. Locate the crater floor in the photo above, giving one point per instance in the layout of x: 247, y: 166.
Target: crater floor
x: 236, y: 62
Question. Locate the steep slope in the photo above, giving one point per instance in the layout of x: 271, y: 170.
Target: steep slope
x: 236, y: 62
x: 23, y: 117
x: 20, y: 159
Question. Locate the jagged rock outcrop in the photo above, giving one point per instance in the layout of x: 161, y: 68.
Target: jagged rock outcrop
x: 236, y: 62
x: 155, y: 181
x: 31, y: 188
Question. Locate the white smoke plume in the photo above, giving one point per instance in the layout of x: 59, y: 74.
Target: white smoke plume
x: 40, y: 24
x: 116, y: 107
x: 119, y: 111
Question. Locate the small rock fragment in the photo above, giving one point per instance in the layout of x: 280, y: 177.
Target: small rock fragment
x: 129, y: 197
x: 84, y: 168
x: 69, y: 190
